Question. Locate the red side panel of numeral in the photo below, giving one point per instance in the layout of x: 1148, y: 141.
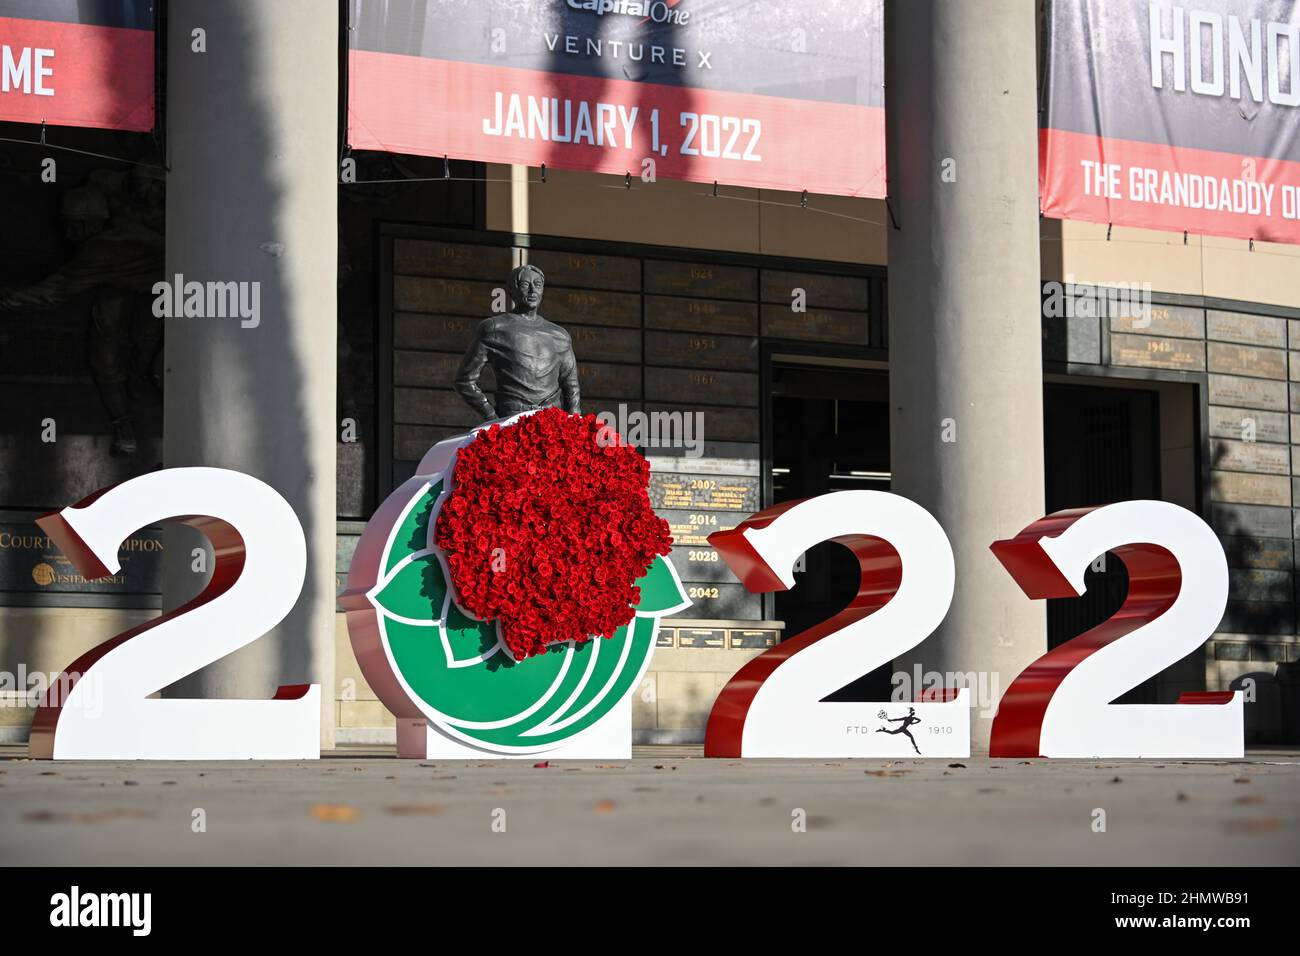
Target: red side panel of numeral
x: 937, y: 695
x: 1206, y: 697
x: 1154, y: 582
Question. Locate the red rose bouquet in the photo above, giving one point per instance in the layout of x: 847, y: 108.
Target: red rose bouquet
x: 547, y: 529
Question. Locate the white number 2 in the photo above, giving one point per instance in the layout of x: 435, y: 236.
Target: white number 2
x: 1062, y: 704
x: 260, y: 560
x: 774, y: 706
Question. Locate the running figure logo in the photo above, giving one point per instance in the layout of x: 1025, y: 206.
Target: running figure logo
x: 903, y: 724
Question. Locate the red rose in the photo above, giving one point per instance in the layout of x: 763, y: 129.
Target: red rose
x: 575, y: 510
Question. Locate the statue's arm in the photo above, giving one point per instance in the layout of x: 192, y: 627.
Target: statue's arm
x: 569, y: 382
x: 73, y: 278
x: 467, y: 378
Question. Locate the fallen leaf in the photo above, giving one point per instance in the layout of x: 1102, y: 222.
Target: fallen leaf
x: 334, y: 812
x: 414, y: 810
x: 91, y: 816
x: 541, y: 766
x: 1257, y: 825
x: 605, y: 806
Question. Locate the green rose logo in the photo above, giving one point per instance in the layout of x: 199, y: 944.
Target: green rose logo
x: 426, y: 657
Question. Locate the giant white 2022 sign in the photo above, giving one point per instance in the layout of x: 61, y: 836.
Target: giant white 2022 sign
x: 1060, y: 706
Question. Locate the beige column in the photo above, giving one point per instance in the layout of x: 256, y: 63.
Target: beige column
x: 966, y: 428
x: 252, y: 129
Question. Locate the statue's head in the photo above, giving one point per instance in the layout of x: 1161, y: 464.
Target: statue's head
x: 527, y: 285
x: 85, y: 212
x: 148, y: 185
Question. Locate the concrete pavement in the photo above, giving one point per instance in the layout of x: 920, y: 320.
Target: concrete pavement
x: 665, y: 806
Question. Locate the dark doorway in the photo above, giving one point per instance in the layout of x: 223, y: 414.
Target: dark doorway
x: 830, y: 432
x: 1101, y: 445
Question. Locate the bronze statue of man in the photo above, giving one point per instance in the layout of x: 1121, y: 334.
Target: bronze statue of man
x: 531, y: 357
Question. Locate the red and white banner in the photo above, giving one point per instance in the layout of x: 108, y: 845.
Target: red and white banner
x: 784, y: 96
x: 67, y: 63
x: 1178, y: 116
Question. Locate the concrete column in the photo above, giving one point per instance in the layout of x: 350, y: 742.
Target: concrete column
x: 965, y: 383
x: 519, y: 208
x: 252, y: 127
